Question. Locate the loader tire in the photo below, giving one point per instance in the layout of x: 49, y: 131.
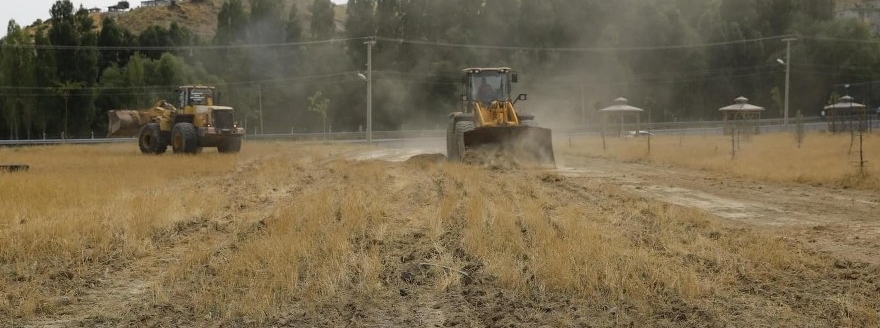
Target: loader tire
x: 150, y: 139
x: 460, y: 128
x: 184, y: 139
x: 231, y: 146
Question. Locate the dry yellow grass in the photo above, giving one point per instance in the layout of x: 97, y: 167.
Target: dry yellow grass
x: 823, y: 159
x: 290, y: 226
x: 81, y: 207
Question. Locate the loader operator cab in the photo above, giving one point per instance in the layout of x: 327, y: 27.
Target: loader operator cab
x: 487, y: 85
x: 196, y: 96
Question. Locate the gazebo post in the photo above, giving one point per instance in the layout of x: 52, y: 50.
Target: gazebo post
x: 758, y: 124
x: 604, y: 121
x: 638, y: 122
x: 833, y: 119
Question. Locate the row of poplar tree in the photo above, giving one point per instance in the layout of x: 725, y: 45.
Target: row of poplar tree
x: 290, y: 67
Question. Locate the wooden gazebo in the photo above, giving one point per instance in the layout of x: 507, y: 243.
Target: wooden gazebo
x: 741, y: 116
x: 847, y: 115
x: 619, y: 112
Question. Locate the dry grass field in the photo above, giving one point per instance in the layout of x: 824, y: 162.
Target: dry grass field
x: 291, y: 235
x: 822, y: 159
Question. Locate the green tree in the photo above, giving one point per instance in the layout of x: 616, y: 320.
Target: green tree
x: 293, y: 27
x: 319, y: 104
x: 16, y: 81
x: 64, y: 33
x: 134, y: 77
x: 293, y: 31
x: 266, y: 24
x: 45, y: 75
x: 76, y: 62
x: 359, y: 25
x: 154, y: 36
x: 112, y: 36
x: 323, y: 25
x: 231, y: 23
x: 266, y: 27
x: 66, y: 90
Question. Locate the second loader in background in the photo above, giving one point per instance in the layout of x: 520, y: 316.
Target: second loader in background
x: 489, y: 120
x: 198, y: 123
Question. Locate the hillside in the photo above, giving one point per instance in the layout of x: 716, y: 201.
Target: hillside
x: 201, y: 18
x: 198, y: 17
x: 842, y: 4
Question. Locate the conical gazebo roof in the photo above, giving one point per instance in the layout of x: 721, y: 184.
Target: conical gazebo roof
x: 742, y: 105
x: 846, y: 102
x: 621, y: 106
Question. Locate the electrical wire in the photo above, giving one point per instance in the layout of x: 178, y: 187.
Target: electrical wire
x: 582, y: 49
x: 175, y: 48
x: 223, y: 84
x: 829, y: 39
x: 385, y: 39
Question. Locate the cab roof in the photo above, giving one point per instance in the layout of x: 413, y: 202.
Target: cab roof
x: 474, y: 70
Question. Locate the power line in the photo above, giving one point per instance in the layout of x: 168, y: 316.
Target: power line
x: 582, y: 49
x: 829, y: 39
x: 392, y: 40
x: 222, y: 84
x: 178, y: 48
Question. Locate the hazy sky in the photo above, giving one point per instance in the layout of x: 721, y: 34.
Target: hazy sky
x: 26, y: 12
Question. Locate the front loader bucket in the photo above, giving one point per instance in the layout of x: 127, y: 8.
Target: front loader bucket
x: 521, y: 142
x: 123, y: 123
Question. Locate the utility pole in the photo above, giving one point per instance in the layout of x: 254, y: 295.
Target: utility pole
x: 260, y: 101
x: 583, y: 105
x: 370, y: 43
x: 787, y: 79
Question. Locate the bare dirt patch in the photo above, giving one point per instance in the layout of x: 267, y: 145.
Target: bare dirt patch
x: 836, y: 220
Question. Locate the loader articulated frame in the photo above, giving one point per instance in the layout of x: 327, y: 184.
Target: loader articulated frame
x: 488, y: 118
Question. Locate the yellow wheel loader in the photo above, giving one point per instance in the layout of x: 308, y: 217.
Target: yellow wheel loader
x: 488, y: 119
x: 197, y: 124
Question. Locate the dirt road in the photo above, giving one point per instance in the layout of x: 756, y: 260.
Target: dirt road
x: 837, y: 221
x: 842, y: 222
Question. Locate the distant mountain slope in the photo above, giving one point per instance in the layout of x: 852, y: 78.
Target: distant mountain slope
x: 841, y: 4
x: 199, y: 17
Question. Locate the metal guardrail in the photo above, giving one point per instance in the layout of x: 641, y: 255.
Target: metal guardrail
x: 46, y: 142
x: 345, y: 137
x: 663, y: 128
x: 96, y: 141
